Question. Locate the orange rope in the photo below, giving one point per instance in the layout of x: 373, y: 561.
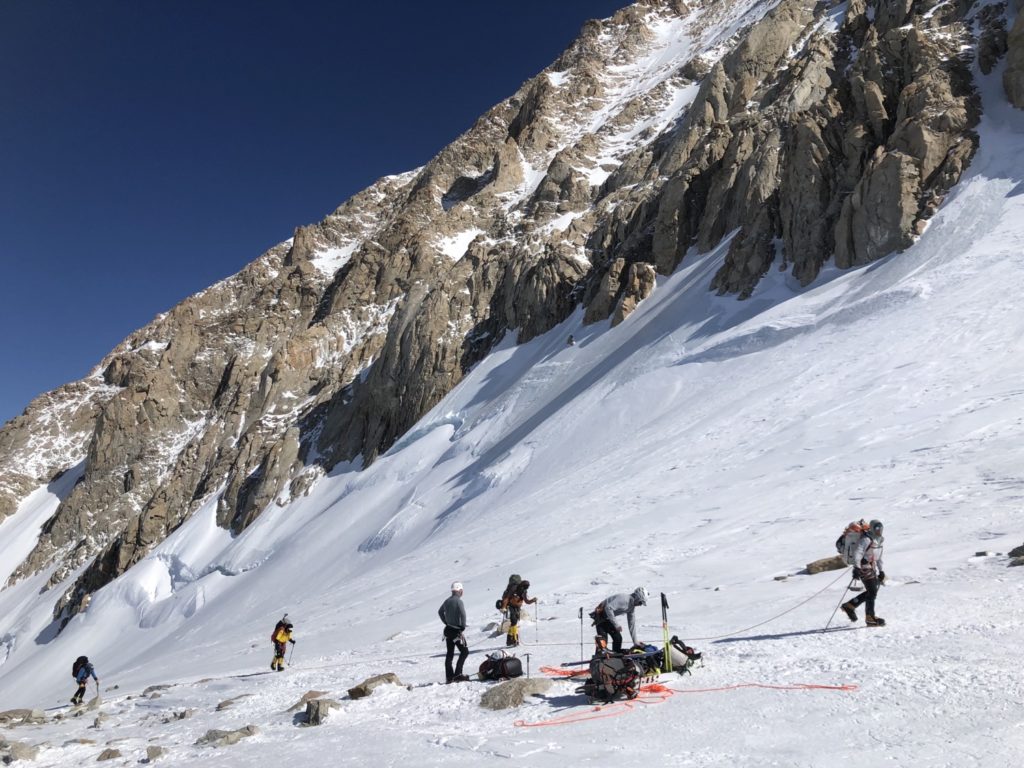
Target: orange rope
x: 793, y: 687
x: 559, y: 672
x: 656, y: 693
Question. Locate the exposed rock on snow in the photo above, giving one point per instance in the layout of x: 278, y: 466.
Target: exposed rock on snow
x: 318, y: 709
x: 13, y: 751
x: 307, y: 696
x: 512, y: 693
x: 367, y: 687
x: 108, y: 754
x: 154, y: 753
x: 218, y: 738
x: 826, y: 564
x: 14, y: 717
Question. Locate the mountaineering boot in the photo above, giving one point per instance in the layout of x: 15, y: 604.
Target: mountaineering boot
x: 874, y: 621
x: 850, y: 610
x: 460, y: 679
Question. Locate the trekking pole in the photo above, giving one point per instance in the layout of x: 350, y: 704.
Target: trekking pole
x: 536, y: 621
x: 527, y: 664
x: 664, y: 632
x: 290, y: 652
x: 581, y: 631
x: 836, y: 609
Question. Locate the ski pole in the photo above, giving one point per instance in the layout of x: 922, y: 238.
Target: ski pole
x: 290, y: 652
x: 836, y: 609
x: 527, y: 664
x: 664, y: 632
x: 581, y: 631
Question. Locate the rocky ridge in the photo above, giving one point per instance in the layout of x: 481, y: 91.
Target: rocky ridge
x: 796, y: 131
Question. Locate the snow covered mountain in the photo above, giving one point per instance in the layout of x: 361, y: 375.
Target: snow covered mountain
x: 347, y: 426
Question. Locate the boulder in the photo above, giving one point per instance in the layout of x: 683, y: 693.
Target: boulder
x: 367, y: 687
x: 154, y: 753
x: 513, y: 692
x: 833, y: 563
x: 307, y: 696
x: 227, y: 703
x: 318, y: 709
x: 183, y: 714
x: 1016, y: 561
x: 13, y: 717
x: 108, y: 754
x: 11, y: 751
x: 217, y: 738
x: 1017, y: 551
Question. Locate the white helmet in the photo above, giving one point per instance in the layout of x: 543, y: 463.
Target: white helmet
x: 456, y: 586
x: 640, y: 595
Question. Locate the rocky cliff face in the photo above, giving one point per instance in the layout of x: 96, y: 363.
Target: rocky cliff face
x: 797, y: 131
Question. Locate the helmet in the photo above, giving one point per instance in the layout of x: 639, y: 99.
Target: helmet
x: 875, y: 529
x: 456, y: 586
x: 640, y: 595
x: 524, y: 584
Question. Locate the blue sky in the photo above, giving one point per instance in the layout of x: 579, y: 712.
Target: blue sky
x: 149, y: 149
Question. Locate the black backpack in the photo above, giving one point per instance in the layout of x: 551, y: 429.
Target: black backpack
x: 500, y: 665
x: 80, y: 662
x: 613, y: 678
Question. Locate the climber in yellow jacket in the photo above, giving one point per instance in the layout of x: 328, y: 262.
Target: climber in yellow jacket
x: 512, y: 602
x: 281, y: 636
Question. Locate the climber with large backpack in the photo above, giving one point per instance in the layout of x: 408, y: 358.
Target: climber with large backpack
x: 82, y: 670
x: 862, y: 548
x: 280, y: 637
x: 515, y: 595
x: 605, y: 614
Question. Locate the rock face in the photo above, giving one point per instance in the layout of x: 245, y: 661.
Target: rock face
x: 367, y: 687
x: 822, y: 131
x: 514, y: 692
x: 1013, y: 77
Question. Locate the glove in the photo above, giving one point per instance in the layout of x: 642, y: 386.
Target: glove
x: 461, y: 640
x: 881, y: 577
x: 291, y: 641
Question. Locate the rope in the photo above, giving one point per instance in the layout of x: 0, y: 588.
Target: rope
x: 777, y: 616
x: 655, y: 693
x: 649, y: 694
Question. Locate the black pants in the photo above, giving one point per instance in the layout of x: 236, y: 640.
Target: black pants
x: 607, y: 627
x: 452, y: 640
x: 869, y: 593
x: 80, y: 693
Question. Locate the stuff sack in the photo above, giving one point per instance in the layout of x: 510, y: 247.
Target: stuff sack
x: 613, y: 678
x: 80, y: 662
x: 846, y: 544
x: 500, y: 666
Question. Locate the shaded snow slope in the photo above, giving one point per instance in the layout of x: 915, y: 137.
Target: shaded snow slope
x: 702, y: 448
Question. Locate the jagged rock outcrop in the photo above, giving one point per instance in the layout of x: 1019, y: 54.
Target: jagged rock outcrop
x: 1013, y: 77
x: 788, y: 135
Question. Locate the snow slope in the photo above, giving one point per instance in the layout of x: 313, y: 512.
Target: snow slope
x: 703, y: 448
